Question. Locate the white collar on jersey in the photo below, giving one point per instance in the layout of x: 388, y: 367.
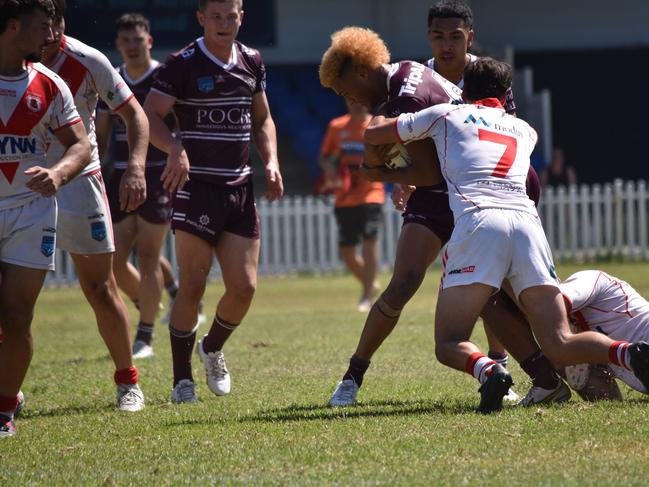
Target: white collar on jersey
x: 130, y: 81
x: 233, y: 56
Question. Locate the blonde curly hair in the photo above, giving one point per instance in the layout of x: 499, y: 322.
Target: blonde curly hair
x: 363, y: 47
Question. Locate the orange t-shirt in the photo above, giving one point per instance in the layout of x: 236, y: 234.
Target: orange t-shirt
x: 344, y: 138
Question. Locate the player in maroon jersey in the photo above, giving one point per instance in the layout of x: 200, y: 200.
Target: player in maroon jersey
x: 216, y: 88
x: 34, y: 102
x: 146, y: 228
x: 356, y: 67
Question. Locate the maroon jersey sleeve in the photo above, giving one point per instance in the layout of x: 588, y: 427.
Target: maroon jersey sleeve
x: 254, y: 65
x: 413, y: 87
x: 169, y: 79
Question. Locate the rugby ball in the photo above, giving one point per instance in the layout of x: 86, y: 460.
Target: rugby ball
x: 399, y: 157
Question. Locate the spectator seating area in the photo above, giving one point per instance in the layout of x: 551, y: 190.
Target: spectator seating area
x: 302, y: 108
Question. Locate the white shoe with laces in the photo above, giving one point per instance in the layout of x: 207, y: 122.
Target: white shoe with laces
x: 216, y: 372
x: 538, y: 395
x: 511, y: 396
x: 184, y: 392
x: 142, y: 350
x: 345, y: 394
x: 130, y: 398
x: 21, y: 404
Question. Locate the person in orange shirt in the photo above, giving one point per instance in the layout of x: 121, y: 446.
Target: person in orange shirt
x: 359, y: 202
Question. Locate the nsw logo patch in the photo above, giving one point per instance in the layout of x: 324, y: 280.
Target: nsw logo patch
x: 205, y: 84
x: 47, y: 245
x: 98, y: 231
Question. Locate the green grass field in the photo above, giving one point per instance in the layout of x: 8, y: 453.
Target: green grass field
x: 414, y: 424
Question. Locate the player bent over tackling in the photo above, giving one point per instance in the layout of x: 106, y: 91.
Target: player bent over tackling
x: 484, y: 157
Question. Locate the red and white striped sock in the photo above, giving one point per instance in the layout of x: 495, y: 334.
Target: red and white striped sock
x: 618, y: 354
x: 479, y: 366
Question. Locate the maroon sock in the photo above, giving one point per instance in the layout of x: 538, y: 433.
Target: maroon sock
x: 144, y: 332
x: 8, y: 405
x: 126, y: 376
x: 218, y: 334
x: 182, y: 345
x: 356, y: 370
x: 540, y: 370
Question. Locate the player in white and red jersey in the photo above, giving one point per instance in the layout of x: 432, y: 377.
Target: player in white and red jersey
x: 599, y: 302
x: 33, y: 102
x: 484, y: 156
x: 450, y: 36
x: 146, y: 228
x: 216, y: 87
x: 84, y: 225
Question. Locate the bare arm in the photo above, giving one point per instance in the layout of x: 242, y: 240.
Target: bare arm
x: 47, y: 181
x: 265, y: 137
x: 424, y: 170
x: 381, y: 131
x: 132, y: 187
x: 176, y: 173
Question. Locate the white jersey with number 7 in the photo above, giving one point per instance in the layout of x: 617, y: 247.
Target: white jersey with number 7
x: 484, y: 153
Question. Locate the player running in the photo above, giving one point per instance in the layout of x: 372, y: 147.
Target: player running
x: 84, y: 226
x: 216, y: 87
x: 33, y: 102
x: 484, y: 156
x: 146, y: 228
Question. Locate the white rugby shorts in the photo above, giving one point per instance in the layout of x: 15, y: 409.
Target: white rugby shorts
x: 84, y: 224
x: 28, y: 234
x: 490, y: 245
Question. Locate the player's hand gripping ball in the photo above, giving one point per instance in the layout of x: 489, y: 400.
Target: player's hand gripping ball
x: 399, y: 157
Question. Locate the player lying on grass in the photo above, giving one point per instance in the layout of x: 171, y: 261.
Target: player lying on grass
x: 356, y: 67
x: 598, y: 302
x: 484, y: 157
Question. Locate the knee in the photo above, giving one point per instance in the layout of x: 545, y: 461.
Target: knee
x: 443, y: 352
x: 402, y: 288
x: 19, y: 334
x: 100, y: 290
x: 243, y: 291
x: 192, y: 289
x: 148, y: 260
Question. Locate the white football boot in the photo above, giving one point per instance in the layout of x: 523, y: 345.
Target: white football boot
x: 345, y: 394
x: 216, y: 372
x: 130, y: 398
x: 185, y: 391
x: 142, y: 350
x: 538, y: 395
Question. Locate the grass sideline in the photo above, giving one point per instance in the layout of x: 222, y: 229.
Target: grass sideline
x: 414, y: 424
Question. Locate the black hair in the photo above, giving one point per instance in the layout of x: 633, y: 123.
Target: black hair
x: 60, y: 6
x: 451, y: 9
x: 202, y: 4
x: 14, y: 9
x: 131, y: 21
x: 486, y: 78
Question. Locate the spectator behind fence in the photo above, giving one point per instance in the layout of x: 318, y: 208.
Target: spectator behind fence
x: 358, y: 201
x: 556, y: 173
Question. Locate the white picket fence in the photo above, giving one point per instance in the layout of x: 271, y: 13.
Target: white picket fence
x: 583, y: 223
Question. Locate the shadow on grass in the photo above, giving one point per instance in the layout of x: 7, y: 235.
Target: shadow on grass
x: 298, y: 412
x: 82, y: 409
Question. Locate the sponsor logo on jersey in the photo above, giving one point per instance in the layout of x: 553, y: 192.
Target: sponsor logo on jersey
x: 98, y: 231
x: 414, y: 79
x: 463, y: 270
x: 10, y: 145
x: 187, y: 53
x: 6, y: 92
x: 205, y: 84
x: 34, y: 102
x: 217, y: 116
x: 48, y: 245
x: 479, y: 121
x: 204, y: 220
